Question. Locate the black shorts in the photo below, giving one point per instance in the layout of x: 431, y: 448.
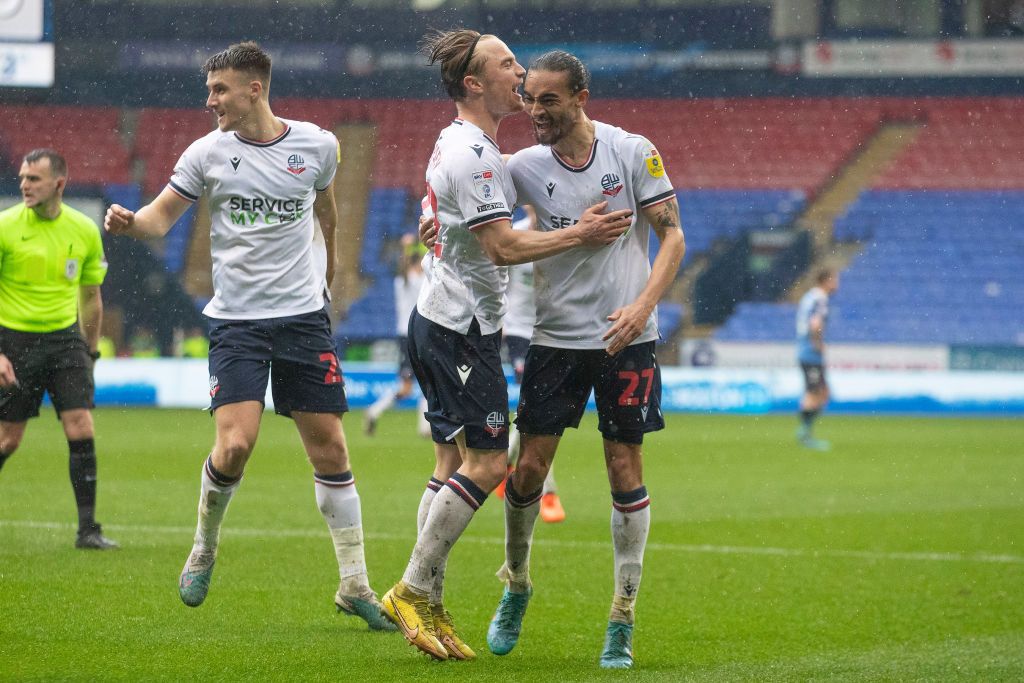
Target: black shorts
x: 814, y: 376
x: 557, y: 384
x: 404, y: 364
x: 463, y: 381
x: 297, y: 352
x: 517, y: 348
x: 54, y: 362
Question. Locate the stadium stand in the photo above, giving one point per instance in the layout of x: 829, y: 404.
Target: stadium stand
x: 942, y: 234
x: 372, y: 316
x: 738, y: 164
x: 88, y: 137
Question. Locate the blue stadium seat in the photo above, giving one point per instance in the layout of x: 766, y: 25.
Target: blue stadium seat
x: 938, y: 267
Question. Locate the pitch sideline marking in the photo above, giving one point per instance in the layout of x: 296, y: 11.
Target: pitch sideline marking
x: 984, y: 558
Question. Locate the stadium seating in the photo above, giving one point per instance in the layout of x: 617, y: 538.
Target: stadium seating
x: 940, y: 267
x: 87, y: 137
x: 372, y: 316
x: 738, y: 164
x: 161, y: 137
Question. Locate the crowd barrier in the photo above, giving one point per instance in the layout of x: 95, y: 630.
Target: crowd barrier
x: 177, y: 383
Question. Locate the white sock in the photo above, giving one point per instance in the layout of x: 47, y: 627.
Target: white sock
x: 214, y: 496
x: 520, y: 519
x: 631, y: 521
x: 514, y: 441
x: 380, y: 405
x: 422, y: 426
x: 433, y: 486
x: 549, y: 481
x: 450, y: 513
x: 338, y: 500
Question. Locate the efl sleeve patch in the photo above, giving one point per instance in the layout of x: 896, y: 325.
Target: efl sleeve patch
x: 655, y: 166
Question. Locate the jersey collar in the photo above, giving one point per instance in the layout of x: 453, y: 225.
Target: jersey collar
x: 467, y: 124
x: 577, y: 169
x: 265, y: 143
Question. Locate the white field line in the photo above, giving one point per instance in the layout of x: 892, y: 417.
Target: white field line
x: 871, y: 555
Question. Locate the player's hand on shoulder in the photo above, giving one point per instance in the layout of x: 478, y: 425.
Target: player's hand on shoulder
x: 118, y: 220
x: 598, y: 228
x: 7, y: 376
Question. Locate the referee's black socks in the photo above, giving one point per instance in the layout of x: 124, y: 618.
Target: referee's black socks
x: 82, y: 466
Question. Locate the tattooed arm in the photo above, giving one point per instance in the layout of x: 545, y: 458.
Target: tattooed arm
x: 629, y: 321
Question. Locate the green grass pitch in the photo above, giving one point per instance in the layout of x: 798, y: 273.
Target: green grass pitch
x: 896, y: 556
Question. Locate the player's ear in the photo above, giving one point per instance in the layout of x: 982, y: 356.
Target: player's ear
x: 472, y: 84
x: 256, y: 89
x: 581, y: 98
x: 62, y: 182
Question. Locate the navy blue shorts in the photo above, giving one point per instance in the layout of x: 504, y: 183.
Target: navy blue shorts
x: 557, y: 384
x: 463, y: 381
x: 404, y: 364
x: 296, y: 352
x: 814, y: 376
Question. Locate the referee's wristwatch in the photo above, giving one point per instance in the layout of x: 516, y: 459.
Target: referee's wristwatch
x: 95, y: 355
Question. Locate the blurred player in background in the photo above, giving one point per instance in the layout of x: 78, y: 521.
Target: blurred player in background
x: 516, y: 333
x: 407, y: 288
x: 811, y: 318
x: 51, y: 268
x: 266, y: 178
x: 596, y: 329
x: 454, y: 333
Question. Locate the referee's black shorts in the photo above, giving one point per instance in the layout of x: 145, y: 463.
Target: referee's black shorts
x: 55, y: 362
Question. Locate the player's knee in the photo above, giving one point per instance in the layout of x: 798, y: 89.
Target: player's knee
x: 331, y: 456
x: 9, y: 442
x: 235, y: 448
x: 530, y: 473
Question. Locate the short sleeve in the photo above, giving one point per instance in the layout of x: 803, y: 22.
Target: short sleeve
x: 188, y: 179
x: 332, y: 157
x: 94, y: 267
x: 480, y: 192
x: 650, y: 180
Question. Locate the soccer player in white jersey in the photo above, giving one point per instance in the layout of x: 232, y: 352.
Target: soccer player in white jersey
x: 516, y: 333
x: 811, y: 317
x: 596, y: 328
x: 266, y: 178
x: 455, y: 331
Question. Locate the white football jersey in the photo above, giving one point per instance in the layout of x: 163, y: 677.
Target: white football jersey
x: 521, y: 313
x: 468, y: 187
x: 261, y: 197
x: 407, y: 290
x: 578, y: 289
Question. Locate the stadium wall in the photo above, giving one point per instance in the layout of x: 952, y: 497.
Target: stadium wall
x: 175, y: 383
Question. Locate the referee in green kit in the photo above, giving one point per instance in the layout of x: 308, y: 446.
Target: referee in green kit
x: 51, y: 268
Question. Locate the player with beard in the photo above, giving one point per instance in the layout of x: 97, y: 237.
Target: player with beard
x: 455, y: 330
x: 595, y: 330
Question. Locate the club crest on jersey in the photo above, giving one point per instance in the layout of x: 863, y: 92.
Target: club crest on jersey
x: 655, y: 166
x: 235, y: 161
x: 611, y: 184
x: 495, y: 423
x: 296, y: 164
